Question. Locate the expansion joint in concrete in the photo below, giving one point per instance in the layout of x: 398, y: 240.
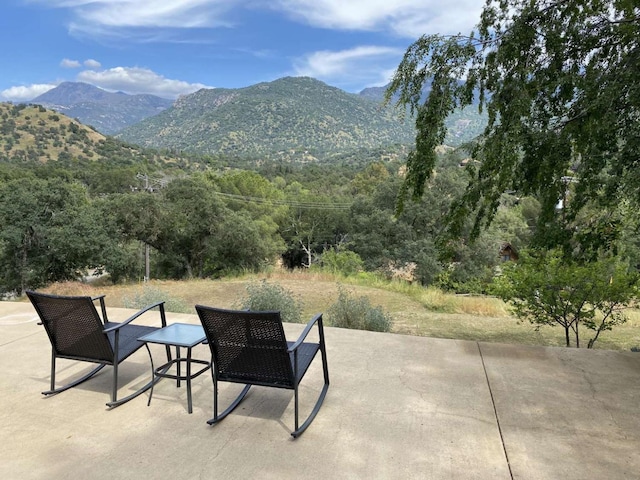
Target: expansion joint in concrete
x: 495, y: 411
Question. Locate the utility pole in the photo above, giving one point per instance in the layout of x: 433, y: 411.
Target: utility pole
x: 147, y: 269
x: 147, y: 188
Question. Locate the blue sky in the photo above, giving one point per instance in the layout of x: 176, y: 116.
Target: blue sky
x: 174, y: 47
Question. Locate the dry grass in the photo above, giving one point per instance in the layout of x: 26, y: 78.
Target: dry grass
x: 415, y: 310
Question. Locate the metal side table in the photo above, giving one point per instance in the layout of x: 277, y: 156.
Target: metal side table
x: 177, y: 335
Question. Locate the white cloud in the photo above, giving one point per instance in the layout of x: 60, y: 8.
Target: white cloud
x: 405, y: 18
x: 25, y: 93
x: 67, y: 63
x: 368, y: 65
x: 138, y: 80
x: 145, y: 13
x: 91, y: 63
x: 130, y: 80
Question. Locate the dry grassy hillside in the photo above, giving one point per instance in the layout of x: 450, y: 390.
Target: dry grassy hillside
x: 33, y: 132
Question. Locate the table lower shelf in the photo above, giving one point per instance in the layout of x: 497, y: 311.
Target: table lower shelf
x: 162, y: 372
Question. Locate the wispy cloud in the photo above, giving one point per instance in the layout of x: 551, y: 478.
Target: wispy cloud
x: 114, y: 17
x: 352, y: 67
x: 91, y: 63
x: 67, y: 63
x: 25, y: 93
x: 404, y: 18
x: 138, y: 80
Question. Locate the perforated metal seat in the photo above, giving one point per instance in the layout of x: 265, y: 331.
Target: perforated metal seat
x: 251, y: 348
x: 77, y: 332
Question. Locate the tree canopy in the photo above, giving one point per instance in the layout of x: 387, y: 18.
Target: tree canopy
x: 558, y: 79
x: 546, y: 289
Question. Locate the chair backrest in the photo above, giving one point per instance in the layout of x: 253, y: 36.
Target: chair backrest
x: 247, y: 347
x: 74, y: 327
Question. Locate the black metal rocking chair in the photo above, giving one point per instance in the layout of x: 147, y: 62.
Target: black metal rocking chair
x: 251, y: 348
x: 76, y: 332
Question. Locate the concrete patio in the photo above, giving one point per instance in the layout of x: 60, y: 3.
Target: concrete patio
x: 398, y: 407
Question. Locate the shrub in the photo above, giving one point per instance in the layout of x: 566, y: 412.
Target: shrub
x: 263, y: 296
x: 345, y: 262
x: 358, y: 313
x: 149, y: 295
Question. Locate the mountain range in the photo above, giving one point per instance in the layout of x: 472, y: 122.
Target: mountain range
x: 107, y: 112
x: 292, y: 118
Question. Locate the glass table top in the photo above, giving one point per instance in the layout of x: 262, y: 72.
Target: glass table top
x: 178, y: 334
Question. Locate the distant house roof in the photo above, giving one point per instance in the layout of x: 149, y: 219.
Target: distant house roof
x: 508, y: 253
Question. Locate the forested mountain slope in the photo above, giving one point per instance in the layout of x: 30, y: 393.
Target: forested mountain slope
x: 291, y: 118
x: 462, y: 126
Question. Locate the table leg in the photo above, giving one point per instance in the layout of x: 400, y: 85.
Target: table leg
x: 178, y: 366
x: 189, y: 380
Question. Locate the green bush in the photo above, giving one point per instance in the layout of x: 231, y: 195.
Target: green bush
x: 263, y: 296
x: 149, y: 295
x: 345, y: 262
x: 357, y: 313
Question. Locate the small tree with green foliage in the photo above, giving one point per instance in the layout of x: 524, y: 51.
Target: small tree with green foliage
x: 547, y: 289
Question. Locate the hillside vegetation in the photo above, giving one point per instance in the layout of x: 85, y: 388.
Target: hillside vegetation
x: 462, y: 125
x: 32, y: 134
x: 290, y: 118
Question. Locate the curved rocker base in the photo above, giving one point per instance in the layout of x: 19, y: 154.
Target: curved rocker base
x: 296, y: 433
x: 53, y: 391
x: 148, y: 386
x: 154, y: 379
x: 113, y: 403
x: 230, y: 408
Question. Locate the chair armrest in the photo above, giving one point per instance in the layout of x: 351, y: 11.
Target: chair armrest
x: 102, y: 307
x: 163, y: 317
x: 316, y: 319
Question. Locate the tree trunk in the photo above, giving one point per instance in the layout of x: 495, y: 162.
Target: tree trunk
x: 306, y: 248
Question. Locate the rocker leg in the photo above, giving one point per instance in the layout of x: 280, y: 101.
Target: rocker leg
x: 217, y: 418
x: 72, y: 384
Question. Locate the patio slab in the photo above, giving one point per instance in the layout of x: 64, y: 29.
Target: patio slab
x: 398, y: 407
